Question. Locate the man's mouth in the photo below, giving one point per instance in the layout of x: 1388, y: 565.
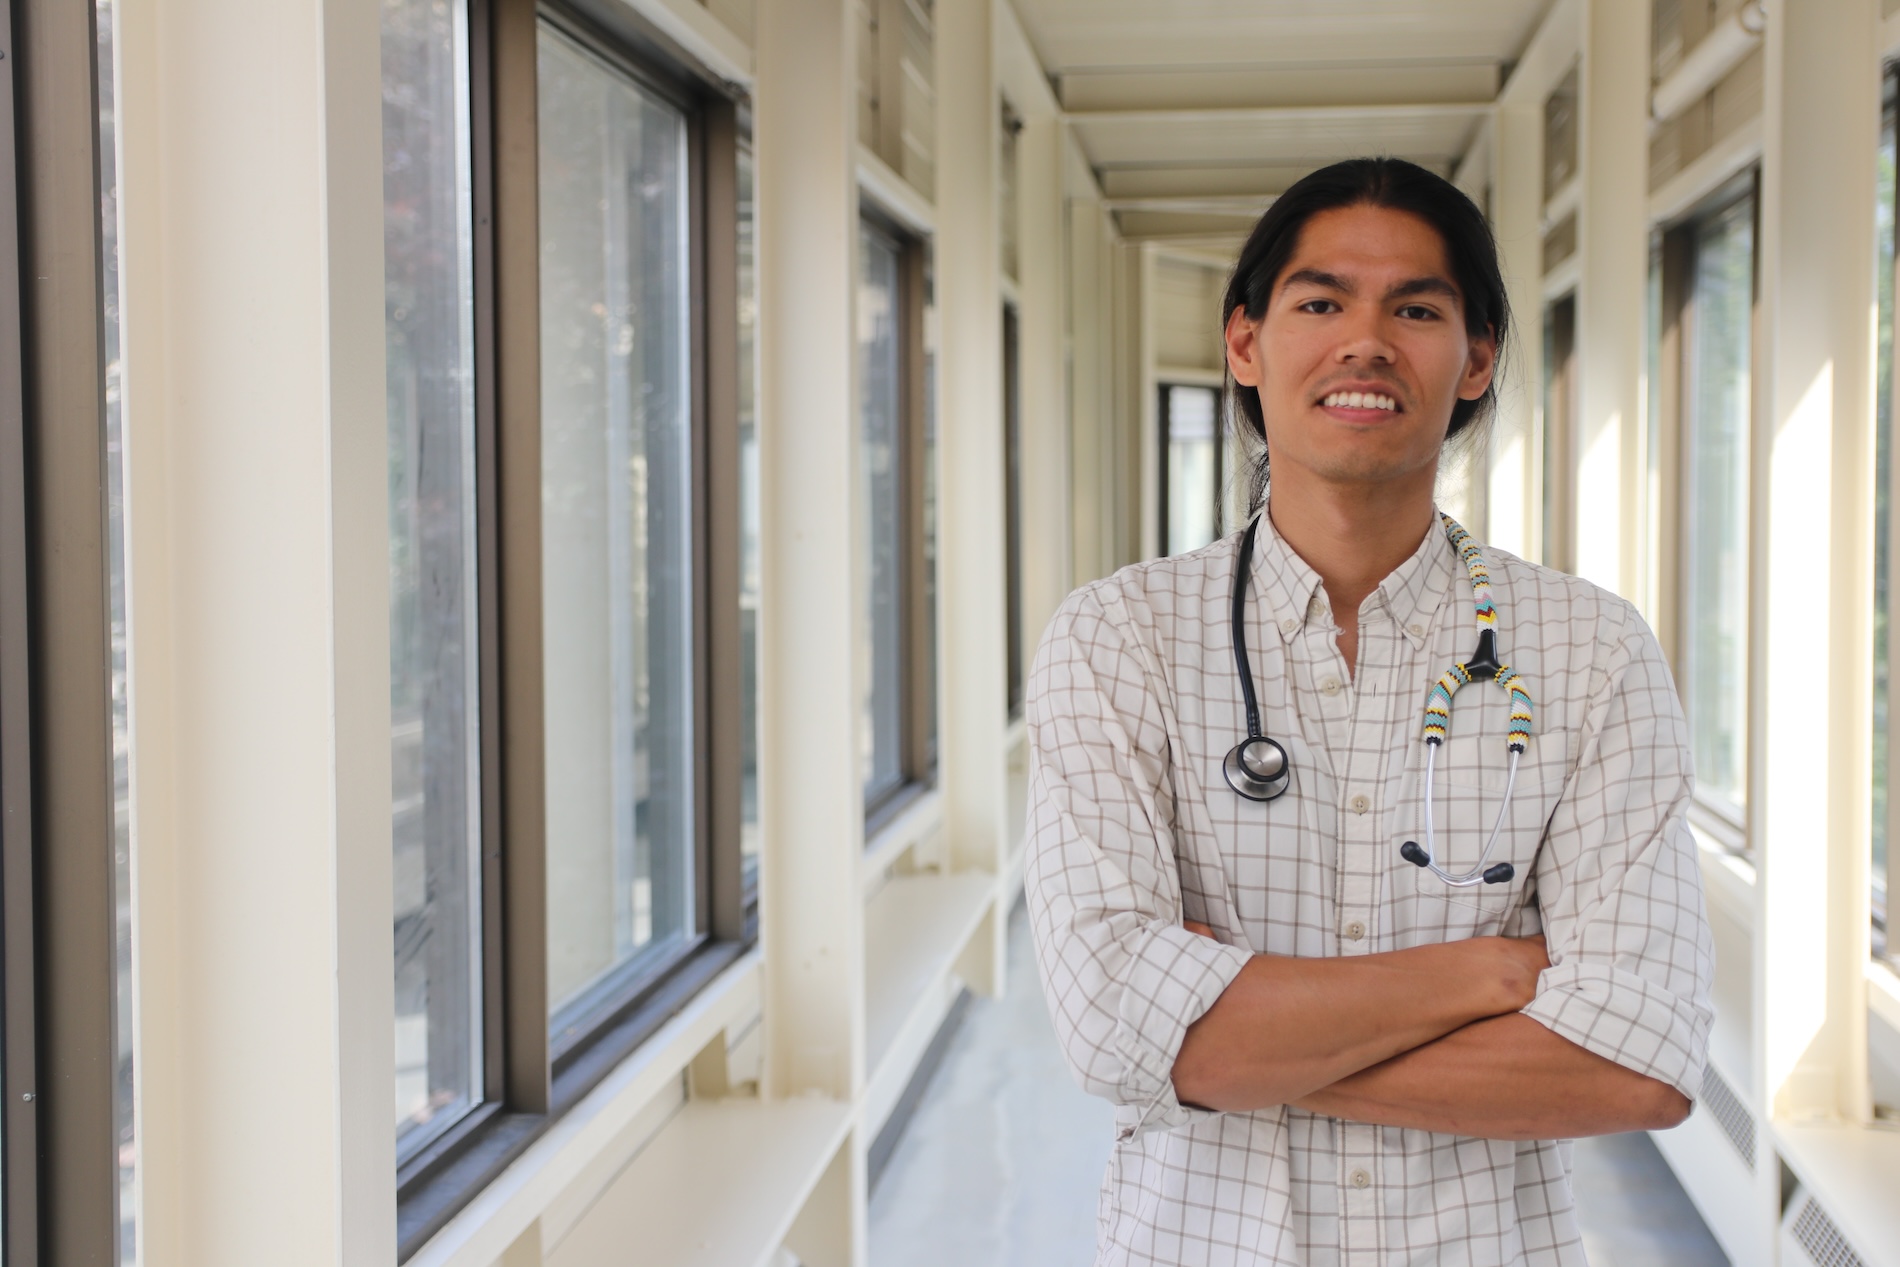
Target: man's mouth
x: 1360, y: 400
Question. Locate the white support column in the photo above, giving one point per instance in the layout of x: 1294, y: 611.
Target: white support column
x: 256, y: 527
x: 1810, y: 778
x: 811, y: 918
x: 1046, y: 490
x: 970, y: 547
x: 1516, y: 496
x: 1612, y: 243
x: 812, y: 912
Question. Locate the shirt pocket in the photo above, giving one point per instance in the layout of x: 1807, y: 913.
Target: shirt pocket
x: 1470, y: 778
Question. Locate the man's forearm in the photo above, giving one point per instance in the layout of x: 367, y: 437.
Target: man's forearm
x: 1508, y: 1077
x: 1286, y: 1026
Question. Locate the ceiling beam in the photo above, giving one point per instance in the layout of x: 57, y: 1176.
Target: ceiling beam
x: 1229, y: 87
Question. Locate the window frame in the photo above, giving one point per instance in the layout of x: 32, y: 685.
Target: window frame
x: 1677, y: 259
x: 917, y: 725
x: 1883, y: 947
x: 531, y: 1074
x: 1016, y: 651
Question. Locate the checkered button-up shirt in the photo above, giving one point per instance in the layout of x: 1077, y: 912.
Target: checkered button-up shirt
x: 1132, y: 707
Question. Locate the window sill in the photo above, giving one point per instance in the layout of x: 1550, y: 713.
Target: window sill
x: 913, y: 820
x: 1883, y: 993
x: 915, y: 930
x: 767, y: 1155
x: 1727, y: 876
x: 1849, y: 1171
x: 590, y: 1136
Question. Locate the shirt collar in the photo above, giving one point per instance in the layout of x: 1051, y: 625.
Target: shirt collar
x: 1292, y: 594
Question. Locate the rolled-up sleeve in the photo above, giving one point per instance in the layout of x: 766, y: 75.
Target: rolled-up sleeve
x: 1123, y: 978
x: 1619, y: 881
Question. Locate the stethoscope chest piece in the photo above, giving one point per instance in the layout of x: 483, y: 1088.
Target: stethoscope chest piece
x: 1258, y: 769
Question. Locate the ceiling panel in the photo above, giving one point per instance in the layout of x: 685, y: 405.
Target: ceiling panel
x: 1265, y: 138
x: 1132, y: 34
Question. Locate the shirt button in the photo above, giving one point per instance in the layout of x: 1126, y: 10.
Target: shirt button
x: 1360, y: 1179
x: 1417, y: 631
x: 1289, y: 625
x: 1360, y: 804
x: 1330, y: 686
x: 1355, y: 930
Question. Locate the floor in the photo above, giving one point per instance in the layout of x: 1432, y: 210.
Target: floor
x: 999, y: 1165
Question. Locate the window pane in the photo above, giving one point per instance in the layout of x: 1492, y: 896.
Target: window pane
x: 125, y: 1140
x: 1193, y: 473
x: 616, y: 530
x: 1883, y: 517
x: 748, y: 524
x: 880, y: 352
x: 1715, y: 519
x: 433, y: 655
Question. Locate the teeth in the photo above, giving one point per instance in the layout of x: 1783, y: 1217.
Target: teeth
x: 1360, y: 400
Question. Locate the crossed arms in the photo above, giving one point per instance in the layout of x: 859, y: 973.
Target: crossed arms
x: 1428, y: 1038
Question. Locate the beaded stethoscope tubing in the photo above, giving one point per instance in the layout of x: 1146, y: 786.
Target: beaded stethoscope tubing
x: 1483, y: 662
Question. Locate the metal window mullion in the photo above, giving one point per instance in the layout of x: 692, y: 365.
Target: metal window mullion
x: 517, y: 316
x: 19, y: 1114
x: 69, y: 620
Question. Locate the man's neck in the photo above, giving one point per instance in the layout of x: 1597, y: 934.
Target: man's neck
x: 1353, y: 535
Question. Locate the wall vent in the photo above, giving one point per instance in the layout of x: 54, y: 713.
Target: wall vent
x: 1816, y: 1234
x: 1730, y: 1114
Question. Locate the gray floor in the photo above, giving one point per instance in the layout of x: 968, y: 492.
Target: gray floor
x: 999, y: 1166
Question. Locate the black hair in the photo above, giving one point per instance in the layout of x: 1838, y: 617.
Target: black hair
x: 1470, y: 249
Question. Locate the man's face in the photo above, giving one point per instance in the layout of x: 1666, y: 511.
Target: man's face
x: 1362, y: 351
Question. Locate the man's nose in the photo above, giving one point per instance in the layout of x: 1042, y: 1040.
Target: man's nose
x: 1364, y: 340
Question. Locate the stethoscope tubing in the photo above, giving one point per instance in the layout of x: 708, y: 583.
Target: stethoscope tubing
x: 1476, y: 875
x: 1261, y: 785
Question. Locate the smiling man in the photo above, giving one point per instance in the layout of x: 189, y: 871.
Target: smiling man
x: 1352, y: 949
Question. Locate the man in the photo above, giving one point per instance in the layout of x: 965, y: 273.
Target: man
x: 1322, y: 1053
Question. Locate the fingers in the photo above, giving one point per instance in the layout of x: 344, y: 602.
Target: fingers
x: 1195, y: 926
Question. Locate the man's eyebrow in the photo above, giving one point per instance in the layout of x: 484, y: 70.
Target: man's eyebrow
x: 1424, y: 286
x: 1325, y: 281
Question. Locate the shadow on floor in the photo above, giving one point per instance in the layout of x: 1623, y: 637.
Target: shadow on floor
x: 1000, y: 1164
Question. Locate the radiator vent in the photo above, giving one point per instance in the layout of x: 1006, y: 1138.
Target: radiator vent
x: 1730, y: 1114
x: 1815, y: 1232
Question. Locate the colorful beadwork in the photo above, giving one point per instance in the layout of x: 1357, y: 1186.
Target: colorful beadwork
x: 1438, y: 701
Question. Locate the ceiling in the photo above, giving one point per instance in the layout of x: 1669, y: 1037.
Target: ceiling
x: 1195, y: 113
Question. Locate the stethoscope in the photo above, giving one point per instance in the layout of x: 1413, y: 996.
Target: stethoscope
x: 1258, y: 767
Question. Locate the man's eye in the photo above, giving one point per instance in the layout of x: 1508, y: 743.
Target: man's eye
x: 1417, y: 312
x: 1319, y: 306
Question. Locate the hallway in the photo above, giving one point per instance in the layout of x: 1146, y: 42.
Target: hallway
x: 1000, y: 1163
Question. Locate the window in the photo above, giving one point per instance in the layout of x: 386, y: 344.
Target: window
x: 617, y: 534
x: 1013, y: 505
x: 1192, y: 457
x: 749, y: 537
x: 573, y: 471
x: 1708, y: 287
x: 896, y: 644
x: 1560, y: 404
x: 1885, y: 557
x: 434, y: 645
x: 125, y: 1138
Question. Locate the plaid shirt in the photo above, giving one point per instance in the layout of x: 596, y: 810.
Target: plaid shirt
x: 1133, y: 705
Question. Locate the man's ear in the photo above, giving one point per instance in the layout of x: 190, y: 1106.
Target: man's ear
x: 1480, y: 365
x: 1243, y: 347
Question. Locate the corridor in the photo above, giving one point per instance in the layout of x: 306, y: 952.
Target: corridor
x: 526, y: 528
x: 1001, y: 1162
